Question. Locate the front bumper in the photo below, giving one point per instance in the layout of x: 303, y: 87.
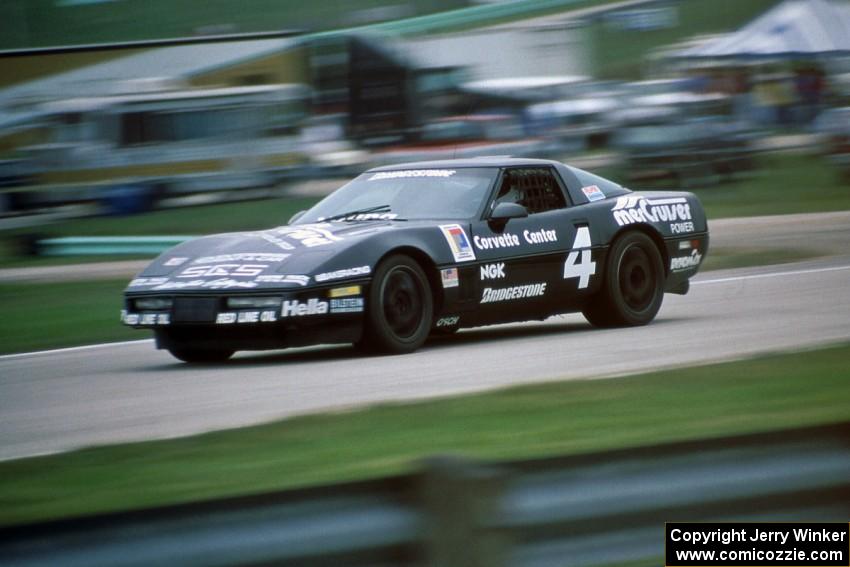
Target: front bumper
x: 312, y: 316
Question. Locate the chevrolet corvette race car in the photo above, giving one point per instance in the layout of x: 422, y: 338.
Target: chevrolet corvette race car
x: 408, y: 250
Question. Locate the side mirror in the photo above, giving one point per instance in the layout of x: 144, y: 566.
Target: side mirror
x: 505, y: 211
x: 296, y: 216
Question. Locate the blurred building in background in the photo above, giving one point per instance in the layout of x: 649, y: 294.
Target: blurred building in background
x: 231, y: 115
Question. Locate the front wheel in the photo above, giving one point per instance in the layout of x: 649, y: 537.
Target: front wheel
x: 199, y: 355
x: 633, y: 289
x: 400, y: 309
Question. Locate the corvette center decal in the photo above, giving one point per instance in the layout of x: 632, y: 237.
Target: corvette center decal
x: 458, y: 242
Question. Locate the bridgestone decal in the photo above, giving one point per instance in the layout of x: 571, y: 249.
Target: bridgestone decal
x: 511, y: 293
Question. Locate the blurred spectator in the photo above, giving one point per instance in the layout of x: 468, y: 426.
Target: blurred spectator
x: 775, y: 98
x: 809, y: 85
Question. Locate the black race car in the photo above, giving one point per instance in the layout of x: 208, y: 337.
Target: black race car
x: 404, y: 251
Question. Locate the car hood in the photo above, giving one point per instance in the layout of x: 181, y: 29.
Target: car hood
x: 287, y: 256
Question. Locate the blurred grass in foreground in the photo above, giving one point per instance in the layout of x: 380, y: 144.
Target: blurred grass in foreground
x: 762, y: 394
x: 51, y: 315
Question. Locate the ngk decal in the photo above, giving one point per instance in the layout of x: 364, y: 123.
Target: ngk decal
x: 493, y: 271
x: 223, y: 270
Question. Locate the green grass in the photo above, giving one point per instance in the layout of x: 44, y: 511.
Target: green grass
x: 51, y: 315
x: 34, y: 23
x: 781, y: 184
x: 726, y: 258
x: 560, y: 418
x: 622, y: 54
x: 206, y: 219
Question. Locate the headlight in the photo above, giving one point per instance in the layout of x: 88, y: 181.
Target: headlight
x: 252, y: 302
x: 153, y: 303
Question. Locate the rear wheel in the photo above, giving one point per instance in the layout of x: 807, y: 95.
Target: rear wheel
x: 634, y: 284
x: 199, y: 355
x: 400, y: 308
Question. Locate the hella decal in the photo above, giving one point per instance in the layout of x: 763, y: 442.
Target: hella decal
x: 295, y: 308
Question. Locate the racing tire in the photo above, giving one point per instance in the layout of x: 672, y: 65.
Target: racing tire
x: 633, y: 288
x: 400, y: 308
x: 200, y: 356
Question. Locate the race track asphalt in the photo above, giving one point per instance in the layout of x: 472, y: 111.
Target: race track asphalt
x: 60, y: 400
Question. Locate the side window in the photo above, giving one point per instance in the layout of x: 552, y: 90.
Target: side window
x: 535, y: 189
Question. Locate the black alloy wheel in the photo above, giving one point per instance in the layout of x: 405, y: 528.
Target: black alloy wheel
x: 400, y: 307
x: 633, y: 288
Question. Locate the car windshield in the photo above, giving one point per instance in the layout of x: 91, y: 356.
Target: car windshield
x: 407, y: 194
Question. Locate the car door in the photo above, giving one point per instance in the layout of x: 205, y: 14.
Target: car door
x: 537, y: 264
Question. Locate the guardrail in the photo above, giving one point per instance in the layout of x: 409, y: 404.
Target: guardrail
x: 107, y: 245
x: 596, y: 509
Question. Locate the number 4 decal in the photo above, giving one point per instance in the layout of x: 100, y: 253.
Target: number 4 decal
x: 581, y: 268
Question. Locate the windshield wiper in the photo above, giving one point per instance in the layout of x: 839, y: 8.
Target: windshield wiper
x: 366, y: 211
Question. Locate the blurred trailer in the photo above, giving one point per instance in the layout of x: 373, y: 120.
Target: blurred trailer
x: 165, y: 142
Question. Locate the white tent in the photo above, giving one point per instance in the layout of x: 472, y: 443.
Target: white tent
x: 794, y: 28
